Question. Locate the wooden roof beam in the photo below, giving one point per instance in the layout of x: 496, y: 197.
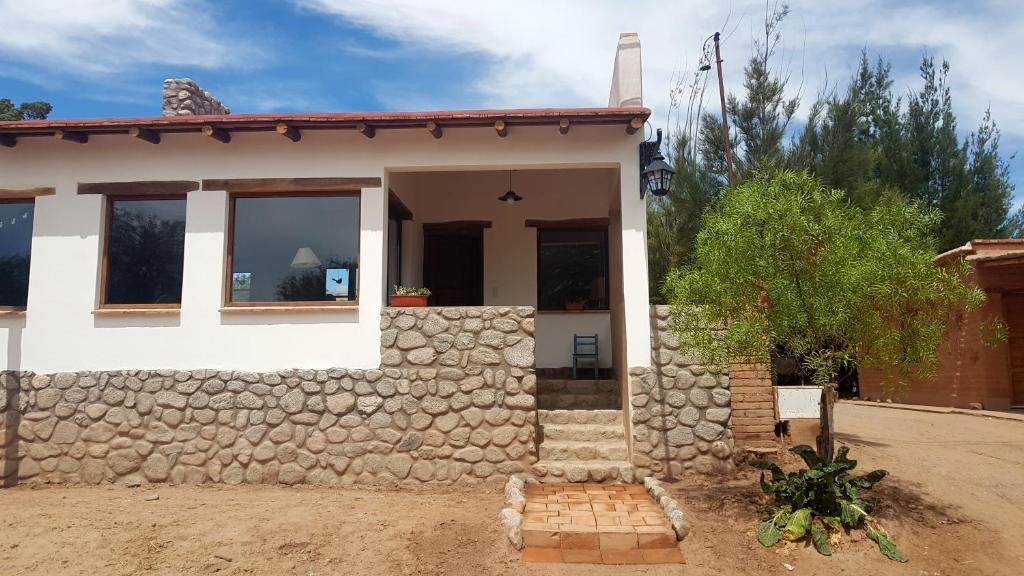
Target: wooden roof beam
x: 144, y: 134
x: 366, y: 130
x: 501, y: 128
x: 634, y: 125
x: 435, y: 129
x: 563, y: 126
x: 76, y: 137
x: 290, y: 132
x: 8, y: 141
x: 218, y: 134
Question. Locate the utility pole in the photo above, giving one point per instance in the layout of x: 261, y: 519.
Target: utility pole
x: 725, y: 117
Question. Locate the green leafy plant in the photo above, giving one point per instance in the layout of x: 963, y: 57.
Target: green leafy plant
x: 411, y: 291
x: 819, y: 502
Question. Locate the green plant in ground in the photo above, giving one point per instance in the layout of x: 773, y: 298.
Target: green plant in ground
x: 411, y: 291
x: 819, y: 502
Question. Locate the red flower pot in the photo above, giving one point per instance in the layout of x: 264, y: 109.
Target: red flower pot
x: 408, y: 301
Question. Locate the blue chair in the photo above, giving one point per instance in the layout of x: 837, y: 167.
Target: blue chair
x: 584, y: 348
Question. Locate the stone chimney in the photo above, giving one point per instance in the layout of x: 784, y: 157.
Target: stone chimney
x: 183, y: 97
x: 627, y: 78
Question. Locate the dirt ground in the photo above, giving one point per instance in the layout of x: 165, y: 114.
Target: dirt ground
x: 935, y: 459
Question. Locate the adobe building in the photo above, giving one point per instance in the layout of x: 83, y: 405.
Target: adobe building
x: 972, y: 372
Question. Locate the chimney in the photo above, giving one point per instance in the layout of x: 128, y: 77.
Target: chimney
x: 627, y: 80
x: 183, y: 97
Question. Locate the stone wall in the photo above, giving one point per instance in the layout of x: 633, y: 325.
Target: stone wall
x: 183, y: 97
x: 455, y: 403
x: 680, y: 411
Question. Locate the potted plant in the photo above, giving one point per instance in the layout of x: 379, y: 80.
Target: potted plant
x: 409, y: 297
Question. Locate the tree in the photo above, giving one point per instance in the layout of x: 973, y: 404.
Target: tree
x: 38, y: 110
x: 784, y: 263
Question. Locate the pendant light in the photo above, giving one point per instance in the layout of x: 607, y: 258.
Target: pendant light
x: 510, y: 197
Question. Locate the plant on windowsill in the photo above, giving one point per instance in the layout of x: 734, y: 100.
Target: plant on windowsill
x: 409, y: 297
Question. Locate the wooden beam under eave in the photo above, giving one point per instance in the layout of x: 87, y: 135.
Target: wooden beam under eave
x: 274, y: 185
x: 8, y: 141
x: 139, y: 188
x: 218, y: 134
x: 20, y: 193
x: 500, y: 128
x: 144, y: 134
x: 366, y: 130
x: 290, y: 132
x: 77, y: 137
x: 634, y: 125
x: 434, y: 129
x: 563, y: 126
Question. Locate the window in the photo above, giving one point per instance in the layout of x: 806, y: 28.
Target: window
x: 15, y: 251
x: 572, y: 268
x: 298, y: 249
x: 145, y: 251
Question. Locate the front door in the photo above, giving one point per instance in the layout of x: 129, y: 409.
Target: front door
x: 453, y: 263
x: 1013, y: 312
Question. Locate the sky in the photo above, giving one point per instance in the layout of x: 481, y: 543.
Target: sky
x: 102, y: 58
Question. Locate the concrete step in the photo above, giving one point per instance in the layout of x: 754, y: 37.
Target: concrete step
x: 563, y: 401
x: 584, y: 432
x: 579, y: 386
x: 579, y: 416
x: 551, y: 471
x: 572, y: 450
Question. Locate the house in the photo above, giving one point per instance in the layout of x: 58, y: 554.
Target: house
x: 203, y: 297
x: 973, y: 371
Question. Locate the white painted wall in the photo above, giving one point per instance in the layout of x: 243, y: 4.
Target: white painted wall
x: 60, y: 332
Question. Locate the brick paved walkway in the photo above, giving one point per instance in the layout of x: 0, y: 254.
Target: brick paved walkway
x: 596, y: 524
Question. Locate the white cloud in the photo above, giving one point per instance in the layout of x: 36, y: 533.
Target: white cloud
x: 101, y: 37
x: 548, y: 53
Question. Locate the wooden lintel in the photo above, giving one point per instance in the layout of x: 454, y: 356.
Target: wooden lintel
x: 572, y: 223
x: 139, y: 188
x: 19, y: 193
x: 218, y: 134
x: 272, y: 185
x: 366, y: 130
x: 77, y: 137
x: 290, y: 132
x: 8, y: 141
x: 500, y: 128
x: 435, y: 129
x: 144, y: 134
x: 563, y: 126
x: 456, y: 226
x: 634, y: 125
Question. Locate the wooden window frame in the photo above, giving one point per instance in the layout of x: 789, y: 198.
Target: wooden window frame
x: 607, y: 264
x: 21, y: 199
x: 105, y: 308
x: 305, y: 305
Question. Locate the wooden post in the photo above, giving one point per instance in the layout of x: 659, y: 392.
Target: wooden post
x: 826, y: 439
x: 434, y: 129
x: 563, y: 126
x: 144, y: 134
x: 76, y: 137
x: 218, y: 134
x: 290, y: 132
x: 500, y: 128
x: 366, y: 130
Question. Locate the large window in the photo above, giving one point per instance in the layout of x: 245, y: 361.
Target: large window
x: 15, y: 251
x: 294, y: 249
x: 145, y: 251
x: 572, y: 268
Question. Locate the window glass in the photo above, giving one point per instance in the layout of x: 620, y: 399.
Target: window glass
x: 572, y: 270
x: 295, y: 249
x: 145, y: 251
x: 15, y: 251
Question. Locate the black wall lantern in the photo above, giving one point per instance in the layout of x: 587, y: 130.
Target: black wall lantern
x: 656, y: 174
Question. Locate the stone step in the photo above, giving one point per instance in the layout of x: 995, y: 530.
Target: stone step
x: 584, y: 432
x: 579, y: 416
x: 563, y: 401
x: 579, y: 386
x: 572, y: 450
x: 552, y: 471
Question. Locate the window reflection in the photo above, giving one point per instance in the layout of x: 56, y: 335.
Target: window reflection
x: 572, y: 269
x: 16, y: 219
x: 145, y: 251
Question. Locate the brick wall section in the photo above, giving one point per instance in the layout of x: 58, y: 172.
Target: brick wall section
x: 753, y: 406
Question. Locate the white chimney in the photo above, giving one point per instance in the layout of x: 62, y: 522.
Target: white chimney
x: 627, y: 76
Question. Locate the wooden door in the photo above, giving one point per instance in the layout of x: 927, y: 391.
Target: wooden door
x: 453, y: 264
x: 1013, y: 312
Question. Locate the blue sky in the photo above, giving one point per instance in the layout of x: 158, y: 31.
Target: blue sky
x: 94, y: 58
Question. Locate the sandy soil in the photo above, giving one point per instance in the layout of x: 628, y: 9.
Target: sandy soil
x: 453, y: 531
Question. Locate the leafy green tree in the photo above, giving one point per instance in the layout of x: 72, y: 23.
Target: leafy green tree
x: 38, y: 110
x: 785, y: 263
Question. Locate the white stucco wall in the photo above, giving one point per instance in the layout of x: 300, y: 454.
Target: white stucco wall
x: 60, y: 332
